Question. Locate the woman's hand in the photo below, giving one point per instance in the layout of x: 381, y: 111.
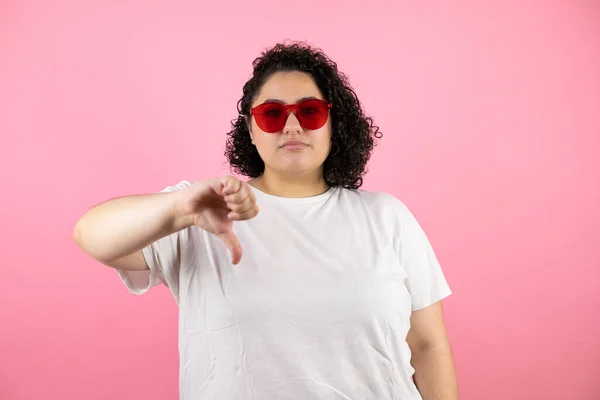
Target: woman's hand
x: 214, y: 204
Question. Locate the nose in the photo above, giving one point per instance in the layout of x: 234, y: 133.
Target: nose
x: 292, y: 125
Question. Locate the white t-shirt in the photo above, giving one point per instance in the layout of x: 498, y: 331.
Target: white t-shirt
x: 318, y: 307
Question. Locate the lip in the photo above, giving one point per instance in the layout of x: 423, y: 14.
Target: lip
x: 294, y: 145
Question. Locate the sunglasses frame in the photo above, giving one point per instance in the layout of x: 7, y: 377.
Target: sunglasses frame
x: 287, y: 109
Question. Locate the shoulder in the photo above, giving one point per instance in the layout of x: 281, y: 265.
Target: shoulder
x: 375, y: 200
x: 382, y: 207
x: 172, y: 188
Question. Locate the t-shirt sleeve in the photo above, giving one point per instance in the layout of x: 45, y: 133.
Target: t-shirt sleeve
x: 163, y: 258
x: 425, y: 279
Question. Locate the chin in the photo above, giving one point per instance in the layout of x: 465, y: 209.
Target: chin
x: 297, y: 167
x: 297, y: 163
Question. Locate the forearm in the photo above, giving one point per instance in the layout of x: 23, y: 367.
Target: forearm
x: 124, y: 225
x: 435, y: 375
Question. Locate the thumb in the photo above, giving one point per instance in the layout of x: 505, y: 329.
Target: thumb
x: 233, y: 244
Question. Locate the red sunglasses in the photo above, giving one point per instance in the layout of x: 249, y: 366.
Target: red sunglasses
x: 312, y: 114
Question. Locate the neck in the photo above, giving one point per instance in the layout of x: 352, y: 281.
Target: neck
x: 298, y: 185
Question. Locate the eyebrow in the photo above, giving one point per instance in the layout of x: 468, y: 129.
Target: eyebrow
x: 281, y: 102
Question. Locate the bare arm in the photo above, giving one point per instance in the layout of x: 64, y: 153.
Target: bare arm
x: 435, y: 375
x: 115, y: 231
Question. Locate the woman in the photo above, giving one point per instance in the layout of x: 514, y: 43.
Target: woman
x: 313, y: 297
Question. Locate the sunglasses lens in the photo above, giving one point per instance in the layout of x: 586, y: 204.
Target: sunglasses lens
x: 270, y: 117
x: 313, y: 114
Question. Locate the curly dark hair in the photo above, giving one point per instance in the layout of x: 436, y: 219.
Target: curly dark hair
x: 353, y: 134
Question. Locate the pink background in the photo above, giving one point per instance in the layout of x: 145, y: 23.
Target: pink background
x: 492, y: 137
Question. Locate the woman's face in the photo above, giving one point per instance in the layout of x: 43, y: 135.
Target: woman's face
x: 293, y: 150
